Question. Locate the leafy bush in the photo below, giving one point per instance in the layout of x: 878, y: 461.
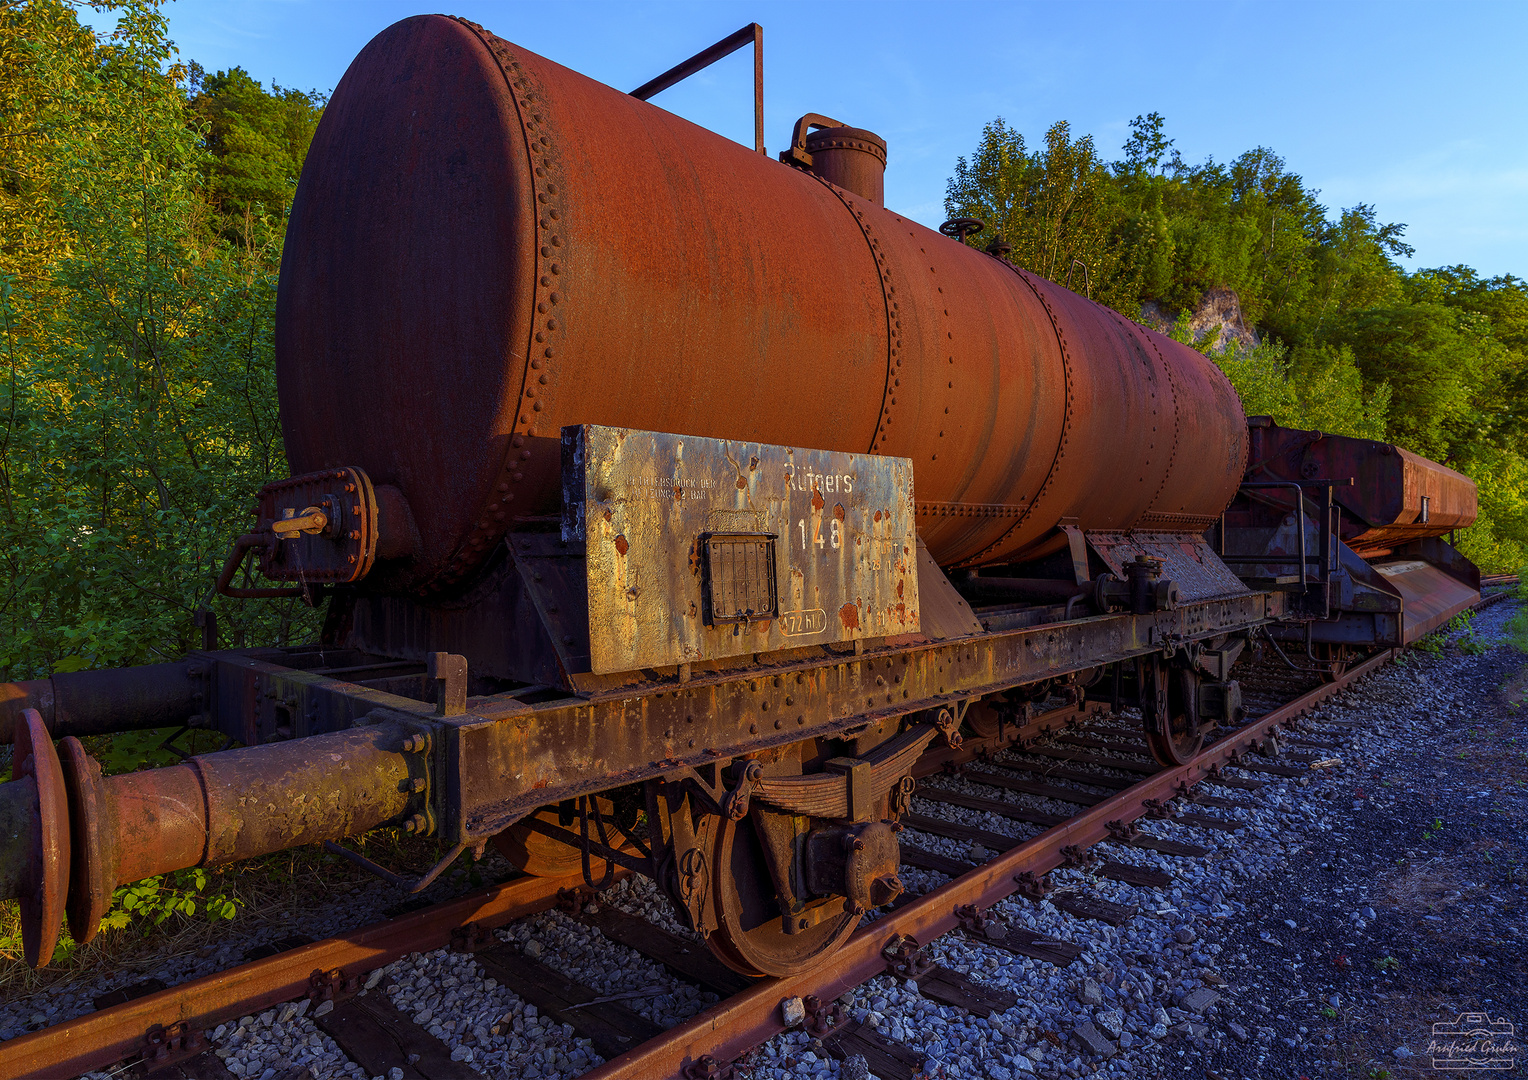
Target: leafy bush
x: 156, y: 899
x: 1517, y: 630
x: 138, y: 406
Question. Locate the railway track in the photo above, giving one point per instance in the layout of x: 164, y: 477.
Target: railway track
x: 1081, y: 764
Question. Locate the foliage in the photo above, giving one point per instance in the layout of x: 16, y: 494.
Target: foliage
x: 256, y: 142
x: 1498, y: 541
x: 1345, y: 340
x: 137, y: 393
x: 1319, y: 388
x: 145, y: 904
x: 1517, y: 630
x: 1050, y: 204
x: 155, y: 899
x: 1443, y: 367
x: 129, y: 751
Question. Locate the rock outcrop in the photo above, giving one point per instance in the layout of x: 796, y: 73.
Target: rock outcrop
x: 1218, y: 315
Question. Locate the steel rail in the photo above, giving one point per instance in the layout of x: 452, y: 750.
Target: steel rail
x: 1488, y: 601
x: 99, y: 1039
x: 732, y: 1027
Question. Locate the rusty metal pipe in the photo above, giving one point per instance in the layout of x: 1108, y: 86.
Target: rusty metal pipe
x: 1014, y: 588
x: 242, y: 803
x: 269, y: 798
x: 215, y: 808
x: 158, y: 819
x: 84, y: 703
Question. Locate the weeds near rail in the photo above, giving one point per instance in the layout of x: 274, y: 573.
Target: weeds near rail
x: 154, y: 920
x: 1517, y: 629
x: 129, y: 751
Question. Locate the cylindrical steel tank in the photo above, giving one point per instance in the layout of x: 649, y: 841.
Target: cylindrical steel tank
x: 485, y: 246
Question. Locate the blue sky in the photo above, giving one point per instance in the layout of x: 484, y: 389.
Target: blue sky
x: 1420, y: 109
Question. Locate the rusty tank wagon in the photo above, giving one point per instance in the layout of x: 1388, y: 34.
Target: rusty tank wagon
x: 670, y: 501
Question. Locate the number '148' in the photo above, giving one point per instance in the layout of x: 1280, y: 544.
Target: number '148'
x: 833, y: 538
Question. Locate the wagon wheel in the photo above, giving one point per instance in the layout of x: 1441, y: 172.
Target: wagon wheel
x: 540, y: 855
x: 751, y: 937
x: 982, y: 719
x: 1333, y: 658
x: 1169, y: 711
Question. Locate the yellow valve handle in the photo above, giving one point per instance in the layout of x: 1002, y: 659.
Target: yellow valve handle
x: 311, y: 521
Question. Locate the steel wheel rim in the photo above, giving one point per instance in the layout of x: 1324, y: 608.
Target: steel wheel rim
x: 764, y: 948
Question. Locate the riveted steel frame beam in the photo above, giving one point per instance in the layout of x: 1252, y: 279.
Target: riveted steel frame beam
x: 506, y: 758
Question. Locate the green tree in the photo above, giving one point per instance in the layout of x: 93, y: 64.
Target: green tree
x: 256, y: 142
x: 137, y: 415
x: 1052, y: 205
x: 1442, y: 366
x: 1436, y: 361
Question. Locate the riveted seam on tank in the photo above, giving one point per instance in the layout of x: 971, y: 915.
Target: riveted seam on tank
x: 957, y: 509
x: 893, y: 323
x: 1066, y: 423
x: 1172, y: 385
x: 492, y: 520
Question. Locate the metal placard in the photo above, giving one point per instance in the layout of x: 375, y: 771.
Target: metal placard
x: 698, y: 549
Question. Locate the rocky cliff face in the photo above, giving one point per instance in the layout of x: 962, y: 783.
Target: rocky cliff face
x: 1218, y: 316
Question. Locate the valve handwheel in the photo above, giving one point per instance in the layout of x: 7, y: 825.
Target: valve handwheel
x: 962, y: 227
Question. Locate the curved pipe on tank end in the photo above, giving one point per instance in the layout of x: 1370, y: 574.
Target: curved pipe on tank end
x: 214, y: 808
x: 82, y: 703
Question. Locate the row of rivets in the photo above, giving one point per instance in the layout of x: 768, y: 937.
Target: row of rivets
x: 1066, y: 417
x: 1172, y: 386
x: 893, y: 316
x: 549, y: 292
x: 949, y: 336
x: 987, y: 510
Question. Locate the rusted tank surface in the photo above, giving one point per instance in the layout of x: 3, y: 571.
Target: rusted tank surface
x: 486, y: 247
x: 1396, y: 496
